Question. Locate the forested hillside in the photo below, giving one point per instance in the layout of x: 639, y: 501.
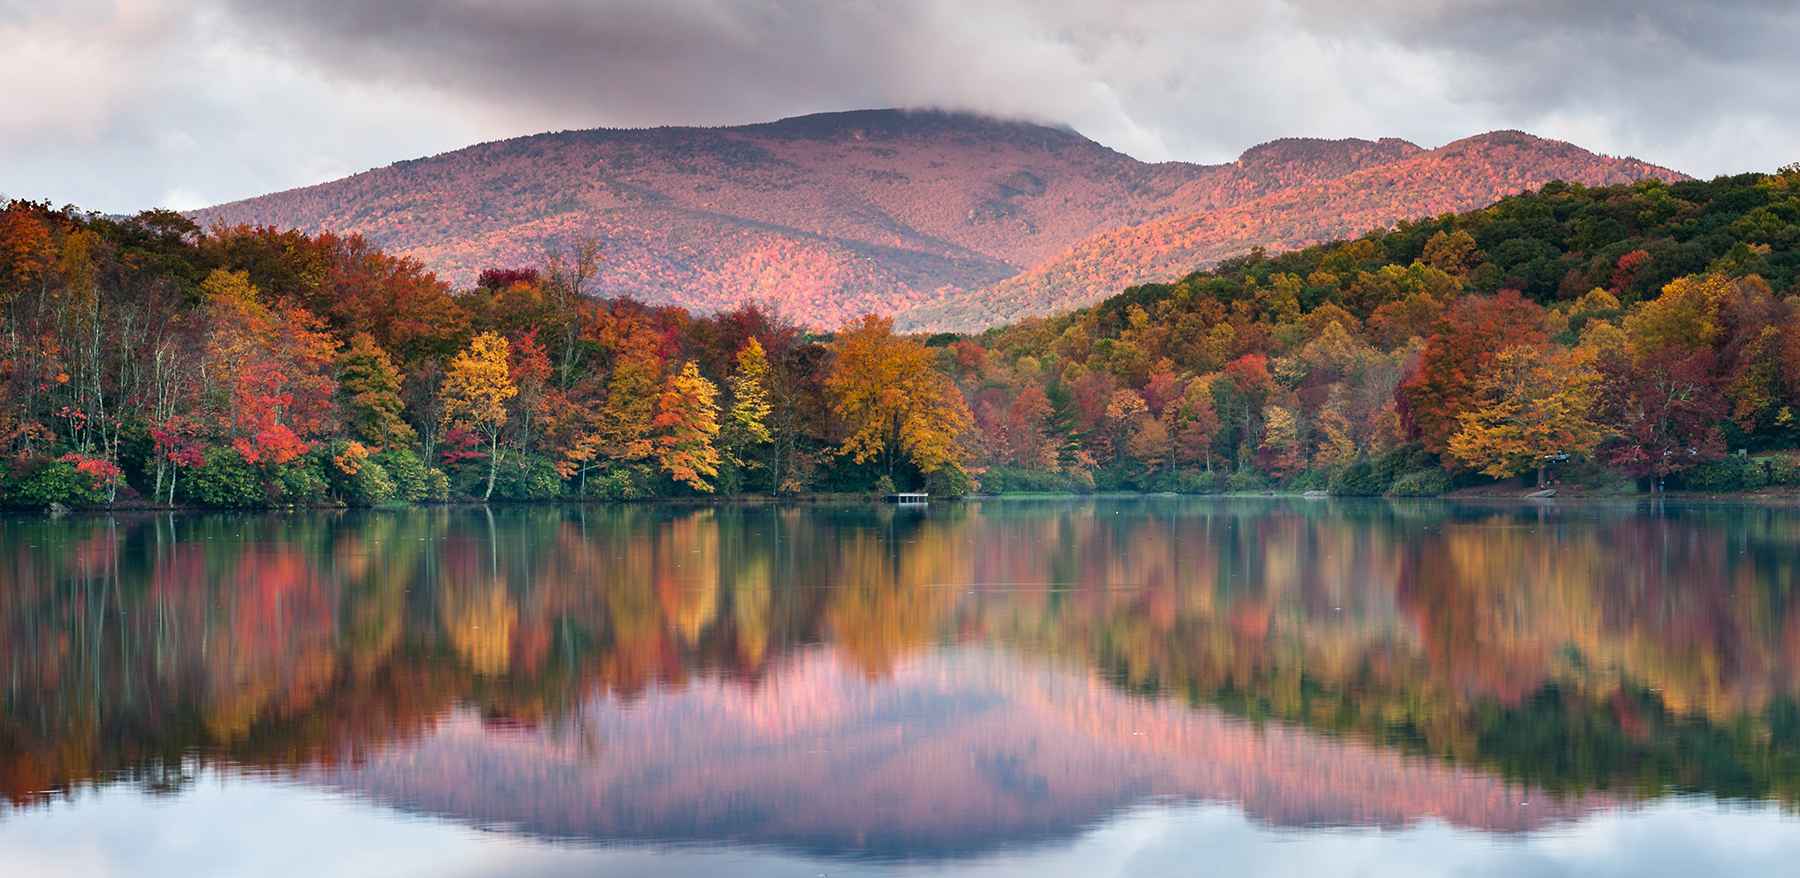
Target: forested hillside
x: 1469, y: 173
x: 821, y: 219
x: 1643, y: 331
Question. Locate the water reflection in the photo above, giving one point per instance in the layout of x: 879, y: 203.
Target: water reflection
x: 870, y: 683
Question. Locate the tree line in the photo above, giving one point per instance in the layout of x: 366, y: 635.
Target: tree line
x: 1647, y: 332
x: 148, y: 360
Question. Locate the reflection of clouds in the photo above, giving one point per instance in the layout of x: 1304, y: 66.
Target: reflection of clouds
x: 103, y: 835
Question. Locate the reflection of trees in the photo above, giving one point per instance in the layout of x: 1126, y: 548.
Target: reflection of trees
x: 893, y: 583
x: 1576, y: 648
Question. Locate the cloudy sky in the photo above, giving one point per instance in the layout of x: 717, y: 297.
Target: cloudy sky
x: 120, y: 105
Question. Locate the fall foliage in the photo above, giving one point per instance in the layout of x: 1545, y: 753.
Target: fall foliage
x: 475, y: 391
x: 1646, y: 331
x: 892, y: 402
x: 941, y: 220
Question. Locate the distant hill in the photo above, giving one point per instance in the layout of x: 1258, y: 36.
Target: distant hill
x: 949, y: 219
x: 1459, y: 176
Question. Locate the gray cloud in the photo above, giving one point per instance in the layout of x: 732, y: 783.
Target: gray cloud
x: 138, y: 102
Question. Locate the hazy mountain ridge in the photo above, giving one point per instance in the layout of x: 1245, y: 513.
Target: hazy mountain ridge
x: 825, y: 217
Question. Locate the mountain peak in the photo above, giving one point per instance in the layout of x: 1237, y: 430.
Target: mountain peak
x: 897, y: 122
x: 1287, y: 149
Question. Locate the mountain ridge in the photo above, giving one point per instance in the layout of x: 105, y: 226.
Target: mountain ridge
x: 819, y: 218
x: 1435, y: 181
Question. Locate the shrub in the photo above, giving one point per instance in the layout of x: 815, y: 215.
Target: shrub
x: 1734, y: 473
x: 414, y: 482
x: 356, y: 477
x: 1428, y: 482
x: 529, y: 478
x: 301, y: 480
x: 1119, y: 475
x: 1374, y: 476
x: 617, y: 482
x: 369, y: 486
x: 1783, y: 469
x: 1245, y: 479
x: 1196, y: 482
x: 41, y: 482
x: 223, y: 479
x: 950, y: 481
x: 1309, y: 480
x: 1019, y: 480
x: 1360, y: 479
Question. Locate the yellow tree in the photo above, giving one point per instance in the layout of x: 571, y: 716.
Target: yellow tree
x: 1528, y: 407
x: 1149, y: 444
x: 475, y: 392
x: 1334, y: 449
x: 687, y: 420
x: 891, y: 400
x: 746, y: 426
x: 1685, y: 316
x: 1280, y: 453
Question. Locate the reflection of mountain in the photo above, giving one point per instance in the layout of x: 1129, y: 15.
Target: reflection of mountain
x: 850, y: 679
x: 955, y: 752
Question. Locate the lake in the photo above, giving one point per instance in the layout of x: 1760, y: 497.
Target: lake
x: 1018, y: 687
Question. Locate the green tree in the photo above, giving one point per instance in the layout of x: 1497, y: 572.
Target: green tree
x: 746, y: 425
x: 369, y: 394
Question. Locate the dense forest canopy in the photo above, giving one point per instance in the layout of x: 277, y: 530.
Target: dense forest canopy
x: 1647, y: 328
x: 1643, y: 331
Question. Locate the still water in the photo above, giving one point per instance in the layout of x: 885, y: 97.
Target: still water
x: 1029, y: 687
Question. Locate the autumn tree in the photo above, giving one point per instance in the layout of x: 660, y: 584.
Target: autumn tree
x: 272, y: 365
x: 1334, y: 448
x: 369, y: 394
x: 1149, y: 444
x: 1528, y: 407
x: 1281, y: 453
x: 1453, y: 253
x: 475, y: 392
x: 1467, y: 339
x: 1124, y: 412
x: 1197, y: 423
x: 746, y: 426
x: 627, y: 415
x: 891, y: 400
x: 687, y: 421
x: 537, y: 402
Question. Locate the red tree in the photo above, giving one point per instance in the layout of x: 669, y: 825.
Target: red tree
x: 1467, y: 338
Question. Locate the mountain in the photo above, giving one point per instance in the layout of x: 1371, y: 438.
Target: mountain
x: 929, y: 214
x: 1459, y: 176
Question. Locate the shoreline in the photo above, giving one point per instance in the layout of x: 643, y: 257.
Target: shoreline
x: 1761, y: 497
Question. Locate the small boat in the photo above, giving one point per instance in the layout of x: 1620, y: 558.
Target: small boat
x: 908, y: 498
x: 1545, y: 494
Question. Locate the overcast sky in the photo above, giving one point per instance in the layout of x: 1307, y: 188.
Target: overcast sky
x: 130, y: 104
